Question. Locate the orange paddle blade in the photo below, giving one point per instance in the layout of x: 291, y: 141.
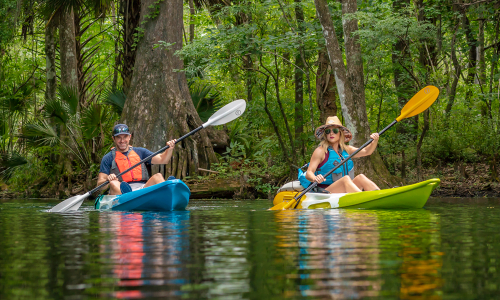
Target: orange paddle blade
x: 420, y: 102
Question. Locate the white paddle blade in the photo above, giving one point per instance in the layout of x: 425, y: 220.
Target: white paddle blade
x: 71, y: 204
x: 227, y: 113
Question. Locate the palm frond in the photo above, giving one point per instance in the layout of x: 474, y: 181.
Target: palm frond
x: 9, y: 162
x: 93, y: 119
x: 40, y: 134
x: 116, y: 99
x: 205, y: 98
x: 55, y: 109
x: 69, y: 95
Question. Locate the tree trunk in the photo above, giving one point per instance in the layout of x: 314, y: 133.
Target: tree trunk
x: 471, y: 68
x: 355, y: 73
x: 325, y: 88
x: 496, y: 51
x: 191, y: 21
x: 353, y: 111
x: 114, y: 18
x: 401, y: 60
x: 69, y: 77
x: 299, y: 85
x: 131, y: 16
x: 159, y: 106
x: 50, y: 61
x: 67, y: 49
x: 456, y: 77
x: 480, y: 52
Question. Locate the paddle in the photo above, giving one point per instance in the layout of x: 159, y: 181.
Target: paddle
x: 224, y: 115
x: 417, y: 104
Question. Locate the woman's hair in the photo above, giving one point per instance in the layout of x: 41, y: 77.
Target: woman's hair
x: 324, y: 143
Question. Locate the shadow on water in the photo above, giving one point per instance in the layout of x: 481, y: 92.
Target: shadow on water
x: 237, y: 249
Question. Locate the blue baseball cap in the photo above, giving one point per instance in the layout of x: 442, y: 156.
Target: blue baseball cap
x: 120, y: 129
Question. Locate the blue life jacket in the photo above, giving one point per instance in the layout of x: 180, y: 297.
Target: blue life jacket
x: 332, y: 159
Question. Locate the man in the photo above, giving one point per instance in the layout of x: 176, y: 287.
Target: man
x: 123, y: 156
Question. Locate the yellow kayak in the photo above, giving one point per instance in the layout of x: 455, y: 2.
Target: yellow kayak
x: 410, y: 196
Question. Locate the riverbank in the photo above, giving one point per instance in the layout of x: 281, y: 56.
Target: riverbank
x: 459, y: 180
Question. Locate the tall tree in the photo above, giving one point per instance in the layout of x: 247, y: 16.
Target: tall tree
x: 159, y: 106
x: 350, y: 85
x: 403, y: 82
x: 131, y: 11
x: 67, y: 48
x: 325, y: 87
x: 299, y: 82
x: 50, y: 60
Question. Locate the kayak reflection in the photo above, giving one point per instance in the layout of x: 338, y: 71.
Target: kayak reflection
x: 354, y: 253
x: 147, y: 250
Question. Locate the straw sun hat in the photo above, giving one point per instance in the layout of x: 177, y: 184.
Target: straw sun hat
x: 333, y: 121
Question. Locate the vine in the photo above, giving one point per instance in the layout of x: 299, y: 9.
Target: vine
x: 155, y: 11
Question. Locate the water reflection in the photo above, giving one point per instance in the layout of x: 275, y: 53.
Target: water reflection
x: 146, y: 249
x: 354, y: 253
x: 231, y: 249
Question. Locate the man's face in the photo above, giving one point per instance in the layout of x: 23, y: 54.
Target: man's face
x: 122, y: 142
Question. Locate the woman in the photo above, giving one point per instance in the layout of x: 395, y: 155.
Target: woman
x: 331, y: 151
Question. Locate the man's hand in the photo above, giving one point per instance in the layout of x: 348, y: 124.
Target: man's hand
x: 171, y: 144
x: 112, y: 177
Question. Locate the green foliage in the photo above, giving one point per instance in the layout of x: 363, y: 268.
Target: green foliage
x: 8, y: 164
x: 116, y: 99
x: 154, y: 11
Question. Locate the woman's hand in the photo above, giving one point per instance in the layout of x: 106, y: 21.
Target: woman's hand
x: 112, y: 177
x: 319, y: 178
x: 375, y: 136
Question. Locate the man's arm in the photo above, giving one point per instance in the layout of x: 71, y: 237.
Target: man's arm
x: 164, y: 158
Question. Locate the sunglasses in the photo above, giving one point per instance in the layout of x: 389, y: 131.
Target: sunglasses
x: 121, y: 130
x: 334, y: 130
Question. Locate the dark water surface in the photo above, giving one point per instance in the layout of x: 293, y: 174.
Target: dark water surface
x: 228, y: 249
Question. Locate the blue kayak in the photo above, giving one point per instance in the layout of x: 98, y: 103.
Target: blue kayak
x: 165, y: 196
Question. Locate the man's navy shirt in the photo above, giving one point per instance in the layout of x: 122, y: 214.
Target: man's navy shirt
x: 107, y: 160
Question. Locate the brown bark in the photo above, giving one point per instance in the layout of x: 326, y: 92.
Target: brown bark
x: 67, y: 49
x: 50, y: 61
x: 401, y: 60
x: 496, y: 49
x: 131, y: 16
x: 191, y: 21
x: 471, y: 68
x: 480, y: 52
x: 159, y: 106
x: 355, y: 73
x: 114, y: 83
x: 353, y: 110
x: 458, y: 71
x: 299, y: 85
x: 325, y: 88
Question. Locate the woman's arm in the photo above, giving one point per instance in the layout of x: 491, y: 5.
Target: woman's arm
x: 368, y: 150
x: 317, y: 157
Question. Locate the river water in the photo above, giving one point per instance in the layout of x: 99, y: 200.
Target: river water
x: 228, y: 249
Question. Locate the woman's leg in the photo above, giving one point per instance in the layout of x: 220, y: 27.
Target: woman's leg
x: 343, y: 185
x: 365, y: 184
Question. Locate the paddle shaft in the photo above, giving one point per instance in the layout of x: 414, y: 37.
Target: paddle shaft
x: 311, y: 186
x: 149, y: 157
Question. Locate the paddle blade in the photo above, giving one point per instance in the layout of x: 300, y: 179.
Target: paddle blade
x: 420, y: 102
x: 227, y: 113
x: 71, y: 204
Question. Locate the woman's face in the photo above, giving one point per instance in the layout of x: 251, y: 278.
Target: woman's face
x: 332, y: 134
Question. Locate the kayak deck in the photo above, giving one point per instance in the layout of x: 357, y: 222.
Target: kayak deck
x: 410, y: 196
x: 165, y: 196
